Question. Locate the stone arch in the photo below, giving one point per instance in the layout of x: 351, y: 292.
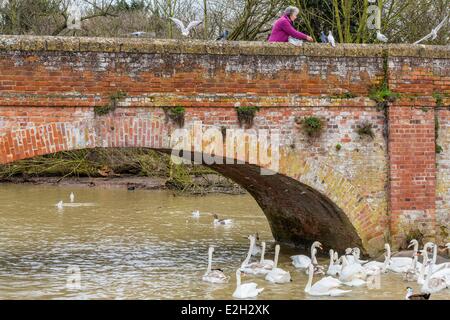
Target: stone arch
x: 299, y: 205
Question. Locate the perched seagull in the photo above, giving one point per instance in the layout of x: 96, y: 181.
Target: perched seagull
x: 72, y: 197
x: 381, y: 37
x: 323, y: 37
x: 223, y: 36
x: 185, y: 30
x: 331, y: 39
x: 137, y: 34
x: 434, y: 33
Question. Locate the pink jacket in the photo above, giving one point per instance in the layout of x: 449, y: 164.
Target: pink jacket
x: 283, y: 28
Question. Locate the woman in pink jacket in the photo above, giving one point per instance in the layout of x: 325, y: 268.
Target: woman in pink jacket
x: 284, y: 28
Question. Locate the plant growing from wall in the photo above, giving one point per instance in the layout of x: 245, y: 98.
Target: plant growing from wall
x: 246, y: 115
x: 114, y: 99
x: 383, y: 96
x: 439, y: 148
x: 176, y: 115
x: 365, y: 129
x: 312, y: 126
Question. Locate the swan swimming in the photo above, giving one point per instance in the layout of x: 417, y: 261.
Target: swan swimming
x: 302, y: 262
x: 325, y: 287
x: 214, y: 276
x: 245, y: 290
x: 256, y: 249
x: 262, y: 267
x: 60, y: 205
x: 333, y: 268
x: 278, y: 275
x: 352, y: 274
x: 72, y: 197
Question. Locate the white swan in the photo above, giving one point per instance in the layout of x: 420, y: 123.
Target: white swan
x: 412, y: 274
x: 72, y: 197
x: 262, y: 267
x: 349, y: 256
x: 256, y: 249
x: 246, y: 266
x: 325, y: 287
x: 433, y: 284
x: 214, y: 276
x: 278, y: 275
x: 398, y: 264
x: 196, y: 214
x: 245, y: 290
x: 333, y: 268
x: 351, y: 274
x: 302, y: 262
x: 357, y: 254
x: 221, y: 222
x: 437, y: 267
x: 375, y: 266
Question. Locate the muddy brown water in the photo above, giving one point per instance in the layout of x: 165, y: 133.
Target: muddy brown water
x: 115, y: 244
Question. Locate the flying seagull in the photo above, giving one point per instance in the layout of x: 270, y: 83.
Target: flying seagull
x: 185, y: 30
x: 381, y: 37
x: 331, y: 39
x: 323, y: 37
x: 434, y: 33
x: 223, y: 36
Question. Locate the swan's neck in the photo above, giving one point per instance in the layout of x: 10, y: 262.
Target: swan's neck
x: 422, y: 269
x: 209, y: 261
x: 313, y: 256
x: 238, y: 279
x: 310, y: 279
x: 331, y: 259
x: 263, y: 251
x: 277, y: 253
x: 249, y: 254
x: 434, y: 254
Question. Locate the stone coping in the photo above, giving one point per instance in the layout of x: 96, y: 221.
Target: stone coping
x: 169, y: 46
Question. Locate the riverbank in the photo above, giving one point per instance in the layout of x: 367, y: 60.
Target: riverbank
x: 133, y: 168
x: 205, y: 184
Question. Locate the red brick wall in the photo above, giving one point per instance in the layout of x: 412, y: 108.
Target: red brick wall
x: 50, y: 86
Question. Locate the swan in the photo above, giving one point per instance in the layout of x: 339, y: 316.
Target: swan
x: 325, y: 287
x: 268, y: 264
x: 433, y: 284
x: 357, y: 254
x: 375, y: 266
x: 256, y: 249
x: 278, y: 275
x: 196, y: 214
x: 351, y: 274
x: 333, y: 269
x: 221, y: 222
x: 349, y: 256
x: 262, y: 267
x: 437, y: 267
x: 302, y: 262
x: 214, y: 276
x: 245, y: 290
x: 412, y: 274
x: 397, y: 264
x: 246, y: 266
x: 72, y: 197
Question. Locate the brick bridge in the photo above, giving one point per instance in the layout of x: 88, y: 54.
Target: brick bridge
x: 364, y: 193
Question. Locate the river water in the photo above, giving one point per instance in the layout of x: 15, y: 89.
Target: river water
x: 117, y: 244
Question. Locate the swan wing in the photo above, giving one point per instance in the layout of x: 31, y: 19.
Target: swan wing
x: 301, y: 261
x: 338, y: 292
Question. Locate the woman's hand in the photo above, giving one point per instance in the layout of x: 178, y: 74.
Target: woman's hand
x: 309, y: 39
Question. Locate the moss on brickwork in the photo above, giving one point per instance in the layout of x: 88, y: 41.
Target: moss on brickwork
x: 114, y: 99
x: 246, y: 115
x: 176, y: 115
